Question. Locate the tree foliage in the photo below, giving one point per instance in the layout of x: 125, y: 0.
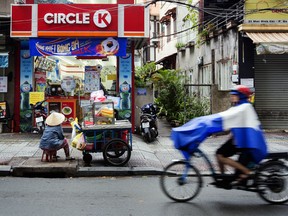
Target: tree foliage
x: 173, y: 99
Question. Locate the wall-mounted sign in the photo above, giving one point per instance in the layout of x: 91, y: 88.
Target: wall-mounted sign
x: 266, y: 12
x: 78, y: 46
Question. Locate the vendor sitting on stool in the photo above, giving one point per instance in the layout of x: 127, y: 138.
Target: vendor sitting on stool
x: 53, y: 137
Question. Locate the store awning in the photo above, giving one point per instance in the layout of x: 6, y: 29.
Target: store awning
x: 268, y: 37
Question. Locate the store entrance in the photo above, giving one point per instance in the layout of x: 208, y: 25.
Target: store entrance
x: 66, y: 83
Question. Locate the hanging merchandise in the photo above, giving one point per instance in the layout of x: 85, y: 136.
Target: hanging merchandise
x: 68, y: 84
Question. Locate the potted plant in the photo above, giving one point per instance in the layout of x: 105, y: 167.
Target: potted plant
x: 180, y: 46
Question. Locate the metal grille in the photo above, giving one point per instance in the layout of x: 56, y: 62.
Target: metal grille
x: 271, y: 90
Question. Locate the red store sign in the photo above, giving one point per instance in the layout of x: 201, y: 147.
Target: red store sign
x: 79, y: 20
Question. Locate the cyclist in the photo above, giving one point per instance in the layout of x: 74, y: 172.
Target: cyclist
x: 239, y: 95
x: 241, y: 119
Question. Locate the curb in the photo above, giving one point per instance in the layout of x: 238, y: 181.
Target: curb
x: 116, y: 171
x: 5, y: 170
x: 48, y: 172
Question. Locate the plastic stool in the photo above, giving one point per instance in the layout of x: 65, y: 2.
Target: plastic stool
x: 48, y: 155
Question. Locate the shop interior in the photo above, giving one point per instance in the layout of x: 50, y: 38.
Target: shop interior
x: 62, y: 79
x: 58, y: 69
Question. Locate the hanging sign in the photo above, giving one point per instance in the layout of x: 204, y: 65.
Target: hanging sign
x: 78, y: 46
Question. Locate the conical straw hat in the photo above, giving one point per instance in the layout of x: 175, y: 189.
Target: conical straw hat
x: 55, y: 118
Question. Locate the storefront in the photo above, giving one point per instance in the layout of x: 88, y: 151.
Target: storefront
x: 267, y: 29
x: 72, y: 50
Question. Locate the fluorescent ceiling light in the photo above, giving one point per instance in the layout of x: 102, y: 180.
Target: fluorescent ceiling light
x: 65, y: 60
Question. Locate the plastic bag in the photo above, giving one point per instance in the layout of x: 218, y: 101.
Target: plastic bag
x: 75, y: 128
x: 97, y: 96
x: 79, y: 141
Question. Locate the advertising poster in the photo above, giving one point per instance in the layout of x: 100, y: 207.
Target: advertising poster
x: 3, y: 111
x: 4, y: 60
x: 68, y: 110
x: 125, y: 81
x: 3, y: 84
x: 40, y: 80
x: 92, y: 79
x: 26, y: 79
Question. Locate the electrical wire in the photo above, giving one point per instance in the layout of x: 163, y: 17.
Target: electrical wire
x: 234, y: 13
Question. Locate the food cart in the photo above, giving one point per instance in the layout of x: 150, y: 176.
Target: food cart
x: 102, y: 133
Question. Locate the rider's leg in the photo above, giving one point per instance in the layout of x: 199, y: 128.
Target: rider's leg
x: 226, y: 150
x: 234, y: 164
x: 220, y: 164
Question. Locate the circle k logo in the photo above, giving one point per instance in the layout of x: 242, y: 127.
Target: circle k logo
x: 102, y: 18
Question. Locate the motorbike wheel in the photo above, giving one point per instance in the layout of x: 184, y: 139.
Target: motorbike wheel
x: 147, y: 137
x: 272, y: 182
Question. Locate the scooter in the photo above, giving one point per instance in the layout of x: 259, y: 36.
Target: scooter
x: 40, y: 115
x: 148, y: 122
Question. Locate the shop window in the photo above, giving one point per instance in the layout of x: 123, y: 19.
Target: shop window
x: 224, y: 75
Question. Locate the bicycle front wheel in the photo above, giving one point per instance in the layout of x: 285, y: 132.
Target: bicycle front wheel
x: 181, y: 181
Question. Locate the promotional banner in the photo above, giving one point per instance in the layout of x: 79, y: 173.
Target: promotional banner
x: 78, y: 46
x: 125, y: 83
x: 26, y: 79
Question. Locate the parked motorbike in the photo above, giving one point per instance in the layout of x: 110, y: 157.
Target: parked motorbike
x: 148, y: 122
x: 40, y: 115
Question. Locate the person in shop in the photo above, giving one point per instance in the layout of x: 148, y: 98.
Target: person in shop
x: 53, y: 136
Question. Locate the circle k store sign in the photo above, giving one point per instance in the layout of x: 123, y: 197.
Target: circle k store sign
x: 79, y: 20
x: 101, y: 18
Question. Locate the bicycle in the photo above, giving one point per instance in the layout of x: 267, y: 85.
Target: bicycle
x: 181, y: 181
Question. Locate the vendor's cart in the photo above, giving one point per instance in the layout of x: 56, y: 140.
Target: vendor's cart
x: 114, y: 140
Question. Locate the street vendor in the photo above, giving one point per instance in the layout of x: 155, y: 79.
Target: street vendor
x: 53, y: 136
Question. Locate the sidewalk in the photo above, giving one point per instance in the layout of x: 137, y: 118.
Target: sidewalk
x: 21, y: 156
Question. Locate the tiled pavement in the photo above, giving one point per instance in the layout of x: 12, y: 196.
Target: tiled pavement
x: 18, y: 149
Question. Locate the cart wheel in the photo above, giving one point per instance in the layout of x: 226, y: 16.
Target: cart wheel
x: 87, y: 158
x: 117, y: 152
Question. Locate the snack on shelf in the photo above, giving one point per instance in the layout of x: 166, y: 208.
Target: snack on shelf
x: 103, y: 113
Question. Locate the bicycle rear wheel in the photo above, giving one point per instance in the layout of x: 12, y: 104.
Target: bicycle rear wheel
x: 181, y: 181
x: 272, y: 182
